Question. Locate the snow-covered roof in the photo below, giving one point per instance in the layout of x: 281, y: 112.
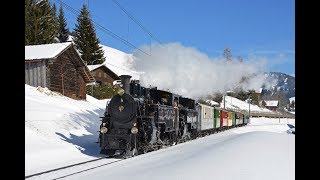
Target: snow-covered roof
x: 271, y: 103
x: 93, y: 67
x: 120, y: 62
x: 110, y: 72
x: 237, y: 104
x: 117, y: 61
x: 51, y: 51
x: 45, y: 51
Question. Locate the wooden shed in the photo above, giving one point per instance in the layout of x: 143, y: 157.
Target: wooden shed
x: 102, y: 74
x: 58, y: 67
x: 273, y: 105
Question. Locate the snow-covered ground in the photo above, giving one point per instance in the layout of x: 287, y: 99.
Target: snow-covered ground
x: 262, y: 155
x: 61, y: 131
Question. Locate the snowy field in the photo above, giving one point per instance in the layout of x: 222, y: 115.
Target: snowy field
x: 61, y: 131
x: 227, y: 155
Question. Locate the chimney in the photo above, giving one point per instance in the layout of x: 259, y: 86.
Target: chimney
x: 125, y: 80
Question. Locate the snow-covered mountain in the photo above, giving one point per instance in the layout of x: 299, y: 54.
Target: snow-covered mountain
x: 283, y: 82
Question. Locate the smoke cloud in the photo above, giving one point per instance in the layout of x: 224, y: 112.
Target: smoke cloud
x: 191, y: 73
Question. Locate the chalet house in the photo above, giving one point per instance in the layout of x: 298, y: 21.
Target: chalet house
x: 58, y: 67
x: 272, y: 105
x: 102, y: 74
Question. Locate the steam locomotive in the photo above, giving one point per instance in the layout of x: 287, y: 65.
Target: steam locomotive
x: 139, y: 119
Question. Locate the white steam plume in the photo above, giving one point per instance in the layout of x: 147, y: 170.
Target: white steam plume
x: 188, y: 72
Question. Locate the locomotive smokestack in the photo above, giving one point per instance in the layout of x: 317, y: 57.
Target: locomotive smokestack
x: 125, y: 80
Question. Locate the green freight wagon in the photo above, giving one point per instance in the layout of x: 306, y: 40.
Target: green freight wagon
x: 216, y: 116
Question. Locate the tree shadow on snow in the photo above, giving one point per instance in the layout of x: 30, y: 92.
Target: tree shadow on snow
x: 87, y: 143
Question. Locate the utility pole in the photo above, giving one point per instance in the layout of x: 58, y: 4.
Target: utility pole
x: 249, y: 101
x: 249, y: 106
x: 279, y: 105
x: 224, y: 101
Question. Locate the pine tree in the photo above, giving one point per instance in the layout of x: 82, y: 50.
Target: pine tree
x: 255, y: 97
x: 85, y: 39
x: 281, y: 97
x: 63, y: 31
x: 55, y: 24
x: 40, y: 24
x: 242, y: 95
x: 29, y: 6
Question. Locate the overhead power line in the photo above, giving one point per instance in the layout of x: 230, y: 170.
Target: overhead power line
x: 136, y: 21
x: 76, y: 12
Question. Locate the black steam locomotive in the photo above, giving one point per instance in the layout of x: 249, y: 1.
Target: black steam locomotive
x: 138, y: 120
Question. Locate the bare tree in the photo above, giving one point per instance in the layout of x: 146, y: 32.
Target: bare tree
x: 63, y: 69
x: 227, y: 54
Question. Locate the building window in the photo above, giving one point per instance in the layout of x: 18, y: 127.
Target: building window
x: 99, y: 74
x: 105, y: 75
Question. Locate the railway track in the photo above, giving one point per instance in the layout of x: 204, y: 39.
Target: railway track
x: 69, y: 170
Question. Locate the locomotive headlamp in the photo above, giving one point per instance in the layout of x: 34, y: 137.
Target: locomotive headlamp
x: 134, y: 130
x: 104, y: 130
x: 120, y: 91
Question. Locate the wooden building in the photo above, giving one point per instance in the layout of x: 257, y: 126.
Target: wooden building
x: 273, y: 105
x: 58, y: 67
x: 102, y: 74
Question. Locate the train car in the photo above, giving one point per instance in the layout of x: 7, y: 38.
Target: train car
x: 216, y: 116
x: 223, y: 119
x: 233, y: 119
x: 189, y: 115
x: 230, y: 118
x: 205, y: 118
x: 239, y: 118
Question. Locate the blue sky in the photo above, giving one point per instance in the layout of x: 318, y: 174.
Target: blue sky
x: 251, y: 29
